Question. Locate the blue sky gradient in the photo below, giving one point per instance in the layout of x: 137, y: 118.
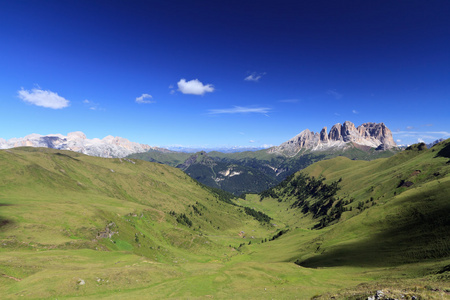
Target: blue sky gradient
x: 223, y: 73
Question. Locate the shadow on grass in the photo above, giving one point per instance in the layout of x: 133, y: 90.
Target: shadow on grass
x: 415, y: 238
x: 444, y: 152
x: 4, y: 223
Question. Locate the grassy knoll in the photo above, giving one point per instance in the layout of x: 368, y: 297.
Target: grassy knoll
x: 78, y: 226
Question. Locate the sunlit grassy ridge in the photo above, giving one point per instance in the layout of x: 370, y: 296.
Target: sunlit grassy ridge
x: 129, y: 228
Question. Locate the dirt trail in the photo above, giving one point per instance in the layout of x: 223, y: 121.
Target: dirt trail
x: 11, y: 277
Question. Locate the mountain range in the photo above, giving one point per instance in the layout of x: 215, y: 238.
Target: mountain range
x: 256, y: 171
x: 107, y: 147
x: 235, y: 172
x: 372, y: 135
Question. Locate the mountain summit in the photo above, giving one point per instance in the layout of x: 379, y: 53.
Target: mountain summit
x: 76, y: 141
x: 373, y: 135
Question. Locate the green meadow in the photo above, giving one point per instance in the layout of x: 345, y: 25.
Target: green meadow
x: 72, y: 225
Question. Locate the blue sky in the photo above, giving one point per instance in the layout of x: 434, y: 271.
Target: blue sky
x: 223, y: 73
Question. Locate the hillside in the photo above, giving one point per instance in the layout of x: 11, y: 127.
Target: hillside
x: 391, y: 212
x: 65, y: 204
x: 79, y: 226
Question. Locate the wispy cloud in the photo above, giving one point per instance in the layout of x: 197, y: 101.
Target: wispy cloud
x: 355, y: 112
x: 240, y: 110
x: 39, y: 97
x: 335, y: 94
x: 251, y: 141
x: 194, y: 87
x: 91, y: 105
x: 289, y: 100
x: 254, y: 76
x: 141, y: 99
x: 412, y: 136
x: 410, y: 127
x: 444, y: 133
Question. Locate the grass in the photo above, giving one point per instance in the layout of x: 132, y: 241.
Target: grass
x: 53, y: 205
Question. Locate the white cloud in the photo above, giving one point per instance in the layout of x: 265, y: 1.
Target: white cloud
x: 142, y: 98
x: 409, y: 127
x: 240, y: 110
x: 43, y: 98
x: 254, y: 76
x: 334, y: 94
x: 251, y: 141
x: 194, y: 87
x: 355, y: 112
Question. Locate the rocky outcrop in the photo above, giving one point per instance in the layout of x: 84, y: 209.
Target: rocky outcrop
x: 76, y: 141
x: 373, y: 135
x: 323, y: 135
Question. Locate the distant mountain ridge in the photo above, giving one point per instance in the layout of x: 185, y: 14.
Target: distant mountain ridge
x: 108, y: 147
x: 256, y: 171
x: 373, y: 135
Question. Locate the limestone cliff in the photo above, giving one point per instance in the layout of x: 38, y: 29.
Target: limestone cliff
x: 374, y: 135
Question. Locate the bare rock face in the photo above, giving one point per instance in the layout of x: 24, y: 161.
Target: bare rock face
x: 335, y: 132
x: 377, y: 131
x: 323, y: 135
x: 76, y: 141
x: 349, y: 132
x: 373, y: 135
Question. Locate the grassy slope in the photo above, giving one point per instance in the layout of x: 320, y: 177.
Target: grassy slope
x: 403, y: 230
x: 169, y: 158
x: 59, y: 201
x: 401, y: 224
x: 53, y: 205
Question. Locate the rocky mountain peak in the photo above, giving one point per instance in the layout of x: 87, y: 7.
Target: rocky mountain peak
x: 374, y: 135
x: 335, y: 132
x: 323, y: 135
x: 76, y: 135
